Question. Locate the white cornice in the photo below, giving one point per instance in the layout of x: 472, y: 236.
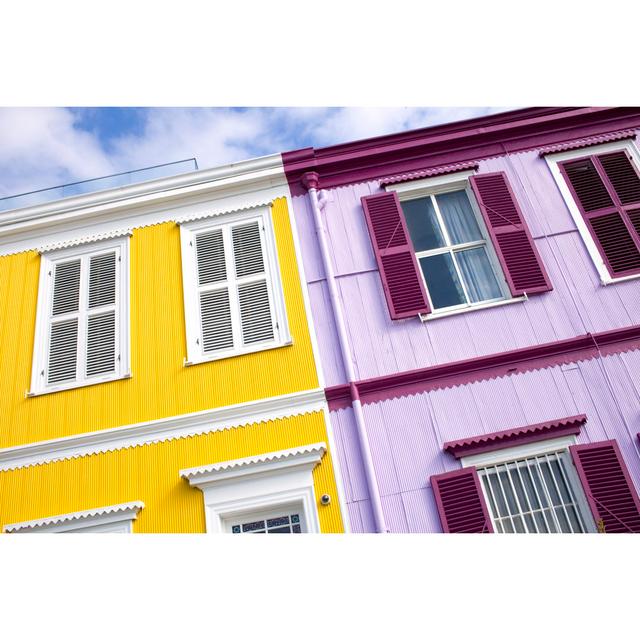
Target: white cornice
x: 229, y: 187
x: 182, y: 426
x: 88, y: 518
x: 308, y: 455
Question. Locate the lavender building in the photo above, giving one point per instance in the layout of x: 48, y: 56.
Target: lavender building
x: 475, y: 289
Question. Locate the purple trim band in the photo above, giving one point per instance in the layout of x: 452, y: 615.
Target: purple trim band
x: 588, y: 142
x: 511, y: 437
x: 453, y: 143
x: 496, y: 365
x: 427, y: 173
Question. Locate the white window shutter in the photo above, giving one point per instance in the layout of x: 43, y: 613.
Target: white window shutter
x: 63, y: 328
x: 101, y: 321
x: 256, y: 318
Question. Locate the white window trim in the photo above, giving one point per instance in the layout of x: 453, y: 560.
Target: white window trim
x: 282, y: 510
x: 45, y: 293
x: 116, y: 518
x: 553, y: 161
x: 280, y: 479
x: 282, y: 335
x: 434, y: 186
x: 559, y: 445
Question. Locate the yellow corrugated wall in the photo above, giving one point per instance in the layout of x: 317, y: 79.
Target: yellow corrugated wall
x: 150, y: 473
x: 161, y: 385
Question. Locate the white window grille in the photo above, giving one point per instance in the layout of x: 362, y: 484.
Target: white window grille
x: 533, y: 495
x: 283, y: 522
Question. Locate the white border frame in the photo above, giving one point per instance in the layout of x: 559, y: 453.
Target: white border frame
x: 280, y: 479
x: 116, y: 518
x: 553, y: 161
x: 434, y: 186
x: 282, y: 335
x: 45, y: 293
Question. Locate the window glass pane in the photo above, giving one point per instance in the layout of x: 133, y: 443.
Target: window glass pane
x: 459, y: 217
x: 478, y: 274
x: 442, y: 281
x: 423, y: 225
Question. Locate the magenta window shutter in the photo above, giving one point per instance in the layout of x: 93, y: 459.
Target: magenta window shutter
x: 401, y: 279
x: 517, y: 252
x: 460, y: 502
x: 606, y: 189
x: 606, y: 481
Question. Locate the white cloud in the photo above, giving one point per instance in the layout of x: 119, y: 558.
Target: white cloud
x: 46, y: 146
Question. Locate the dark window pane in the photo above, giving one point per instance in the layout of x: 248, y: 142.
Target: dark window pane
x: 478, y: 275
x: 423, y: 225
x: 459, y: 217
x: 442, y: 281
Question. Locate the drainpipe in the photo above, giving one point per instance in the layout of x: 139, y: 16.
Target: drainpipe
x: 310, y: 182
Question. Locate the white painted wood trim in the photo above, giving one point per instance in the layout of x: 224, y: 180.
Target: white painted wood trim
x: 118, y: 517
x: 553, y: 161
x: 181, y: 426
x: 432, y: 185
x: 280, y: 479
x: 435, y: 315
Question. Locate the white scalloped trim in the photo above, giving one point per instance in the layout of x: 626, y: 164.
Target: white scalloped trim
x: 221, y: 212
x: 74, y: 242
x: 128, y: 509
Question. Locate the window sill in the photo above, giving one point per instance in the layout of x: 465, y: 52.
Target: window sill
x: 608, y: 281
x: 436, y: 315
x: 76, y: 385
x: 236, y: 354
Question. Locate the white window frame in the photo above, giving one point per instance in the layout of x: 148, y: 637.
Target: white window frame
x: 438, y: 185
x: 555, y: 445
x: 188, y: 231
x: 276, y: 481
x: 553, y: 162
x: 283, y: 510
x: 116, y: 518
x: 48, y: 260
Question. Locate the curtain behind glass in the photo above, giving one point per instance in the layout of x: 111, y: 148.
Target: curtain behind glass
x: 478, y: 275
x: 459, y: 217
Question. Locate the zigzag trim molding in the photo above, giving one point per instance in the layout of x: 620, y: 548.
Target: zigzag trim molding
x: 183, y: 426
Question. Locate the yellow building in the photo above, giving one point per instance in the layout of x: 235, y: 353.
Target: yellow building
x: 158, y: 363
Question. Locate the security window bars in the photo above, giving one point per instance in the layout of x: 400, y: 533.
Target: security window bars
x: 458, y: 266
x: 532, y: 495
x: 286, y: 523
x: 79, y: 332
x: 233, y: 297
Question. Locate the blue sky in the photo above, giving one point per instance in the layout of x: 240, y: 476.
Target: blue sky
x: 45, y: 147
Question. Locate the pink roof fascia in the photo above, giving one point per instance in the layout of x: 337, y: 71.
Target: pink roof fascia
x: 512, y: 437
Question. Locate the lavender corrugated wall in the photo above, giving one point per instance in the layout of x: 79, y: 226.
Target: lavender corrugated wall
x: 406, y: 434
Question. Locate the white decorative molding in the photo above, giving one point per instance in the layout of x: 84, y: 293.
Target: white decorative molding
x: 231, y: 187
x: 250, y: 486
x: 181, y: 426
x: 74, y: 242
x: 274, y: 461
x: 117, y: 518
x: 220, y: 212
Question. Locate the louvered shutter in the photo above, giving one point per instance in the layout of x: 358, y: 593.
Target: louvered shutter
x: 401, y: 279
x: 63, y: 327
x: 512, y: 241
x: 606, y: 189
x: 101, y: 318
x: 608, y: 486
x: 256, y: 317
x: 460, y: 502
x: 213, y: 295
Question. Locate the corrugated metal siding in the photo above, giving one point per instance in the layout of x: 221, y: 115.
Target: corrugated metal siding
x: 577, y: 305
x: 161, y: 385
x: 406, y: 434
x: 150, y: 473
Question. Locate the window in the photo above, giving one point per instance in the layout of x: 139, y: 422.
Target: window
x: 532, y: 495
x: 269, y: 493
x: 602, y: 192
x: 233, y: 295
x: 275, y: 522
x: 458, y: 267
x: 83, y: 315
